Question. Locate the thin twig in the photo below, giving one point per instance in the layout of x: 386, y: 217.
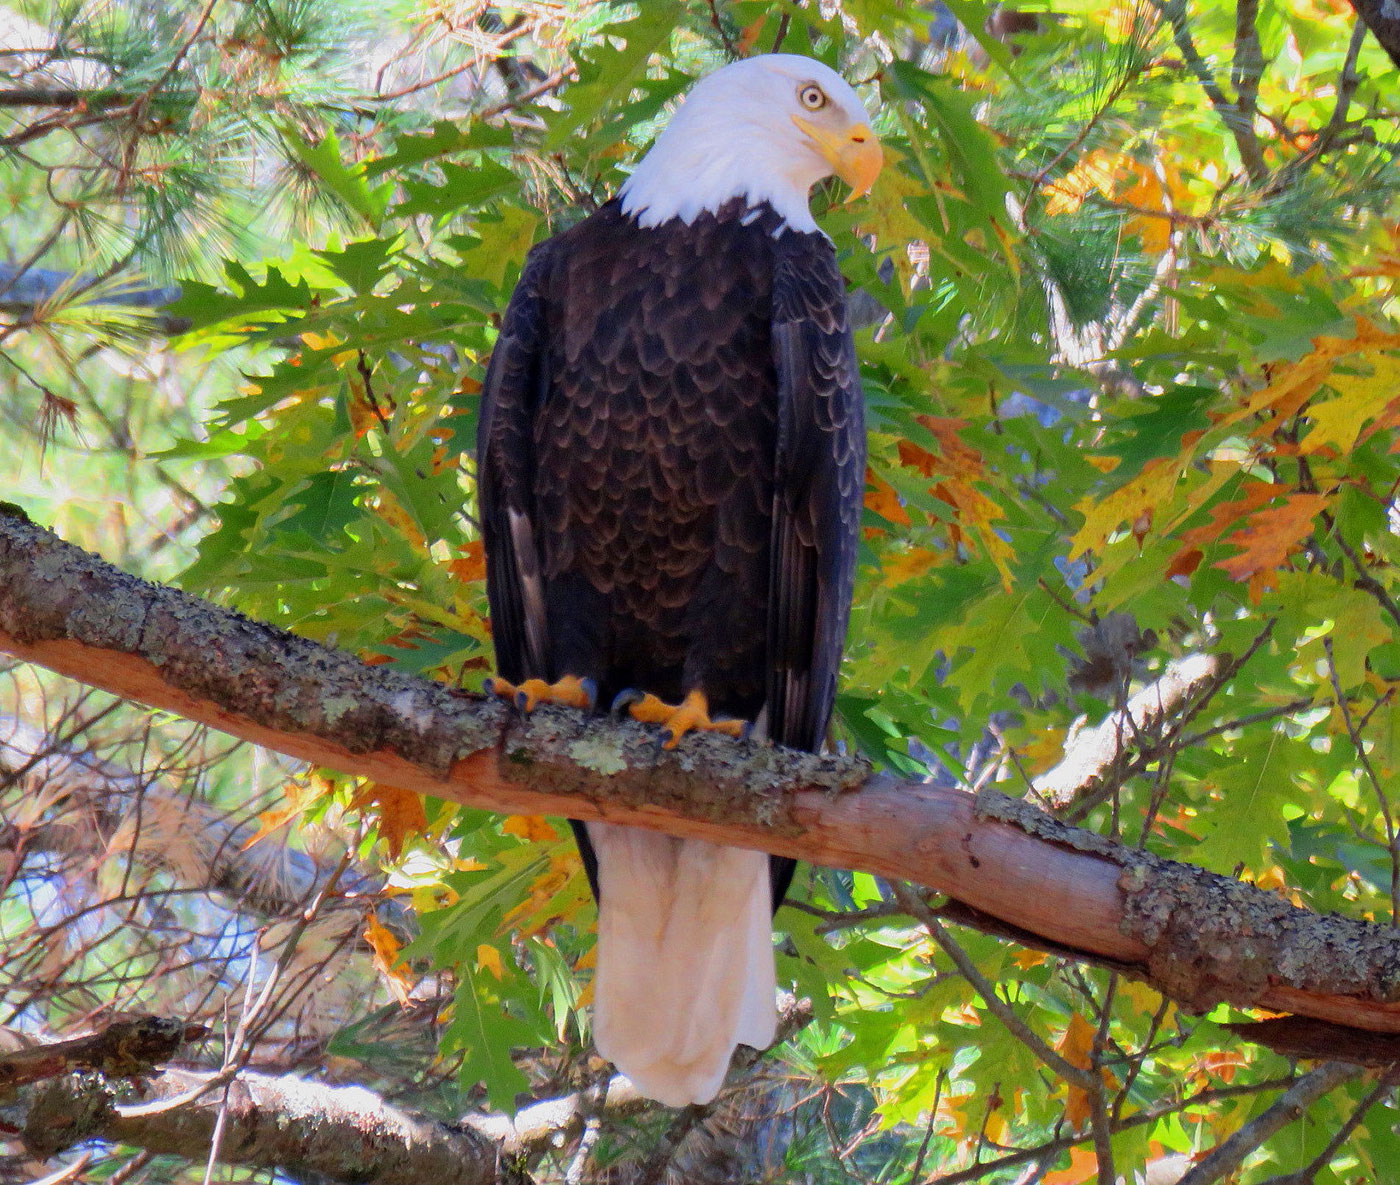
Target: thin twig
x: 1018, y: 1028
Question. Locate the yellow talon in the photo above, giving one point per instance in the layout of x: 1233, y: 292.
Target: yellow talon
x: 692, y: 714
x: 571, y: 691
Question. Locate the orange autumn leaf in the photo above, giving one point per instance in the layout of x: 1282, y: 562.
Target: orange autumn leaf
x: 1076, y: 1047
x: 1026, y: 959
x: 1219, y: 1064
x: 904, y: 565
x: 1270, y: 534
x: 1219, y: 519
x: 472, y: 563
x: 957, y: 465
x: 401, y: 813
x: 749, y: 35
x: 882, y: 500
x: 299, y: 795
x: 1083, y: 1166
x: 530, y: 827
x: 385, y: 948
x: 1154, y: 189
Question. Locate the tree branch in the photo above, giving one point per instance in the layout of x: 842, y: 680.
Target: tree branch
x: 1181, y: 929
x: 1288, y: 1108
x: 301, y: 1128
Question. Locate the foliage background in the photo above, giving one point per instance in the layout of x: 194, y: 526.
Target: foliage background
x: 1130, y: 348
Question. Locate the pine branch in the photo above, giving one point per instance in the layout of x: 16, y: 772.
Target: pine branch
x: 1179, y: 928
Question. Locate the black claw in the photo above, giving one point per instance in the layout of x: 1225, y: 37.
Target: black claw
x: 488, y: 685
x: 590, y: 689
x: 624, y: 700
x: 522, y: 701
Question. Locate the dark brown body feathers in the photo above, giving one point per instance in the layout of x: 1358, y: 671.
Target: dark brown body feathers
x: 671, y: 459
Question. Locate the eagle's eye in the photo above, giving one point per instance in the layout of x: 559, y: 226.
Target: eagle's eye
x: 811, y: 96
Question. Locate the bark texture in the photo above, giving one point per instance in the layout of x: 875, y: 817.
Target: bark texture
x: 1198, y: 937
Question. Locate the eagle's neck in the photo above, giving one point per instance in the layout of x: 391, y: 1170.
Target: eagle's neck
x: 694, y: 169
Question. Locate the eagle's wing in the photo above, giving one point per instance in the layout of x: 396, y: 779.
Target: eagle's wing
x: 517, y: 380
x: 819, y: 484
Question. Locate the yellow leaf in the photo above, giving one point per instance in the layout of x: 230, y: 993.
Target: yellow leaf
x: 1130, y: 503
x: 996, y: 1128
x: 1025, y: 959
x: 392, y: 512
x: 1044, y: 749
x: 488, y: 958
x: 1359, y: 398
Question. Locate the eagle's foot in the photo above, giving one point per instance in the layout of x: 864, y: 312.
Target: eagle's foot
x: 570, y: 691
x: 691, y: 714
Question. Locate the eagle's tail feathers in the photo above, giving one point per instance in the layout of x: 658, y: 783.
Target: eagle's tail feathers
x: 685, y: 960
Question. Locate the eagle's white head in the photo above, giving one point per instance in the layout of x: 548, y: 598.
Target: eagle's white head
x: 767, y: 129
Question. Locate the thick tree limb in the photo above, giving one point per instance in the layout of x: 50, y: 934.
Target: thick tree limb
x: 303, y: 1128
x: 123, y: 1048
x: 1198, y: 937
x: 287, y: 1123
x: 1093, y: 756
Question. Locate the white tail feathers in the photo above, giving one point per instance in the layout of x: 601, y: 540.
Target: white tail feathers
x: 685, y: 960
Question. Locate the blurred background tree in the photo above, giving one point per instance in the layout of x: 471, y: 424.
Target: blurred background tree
x: 1129, y: 340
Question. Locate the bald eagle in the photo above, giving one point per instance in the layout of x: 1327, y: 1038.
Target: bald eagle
x: 671, y: 457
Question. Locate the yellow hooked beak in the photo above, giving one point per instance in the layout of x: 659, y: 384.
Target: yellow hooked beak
x: 853, y: 154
